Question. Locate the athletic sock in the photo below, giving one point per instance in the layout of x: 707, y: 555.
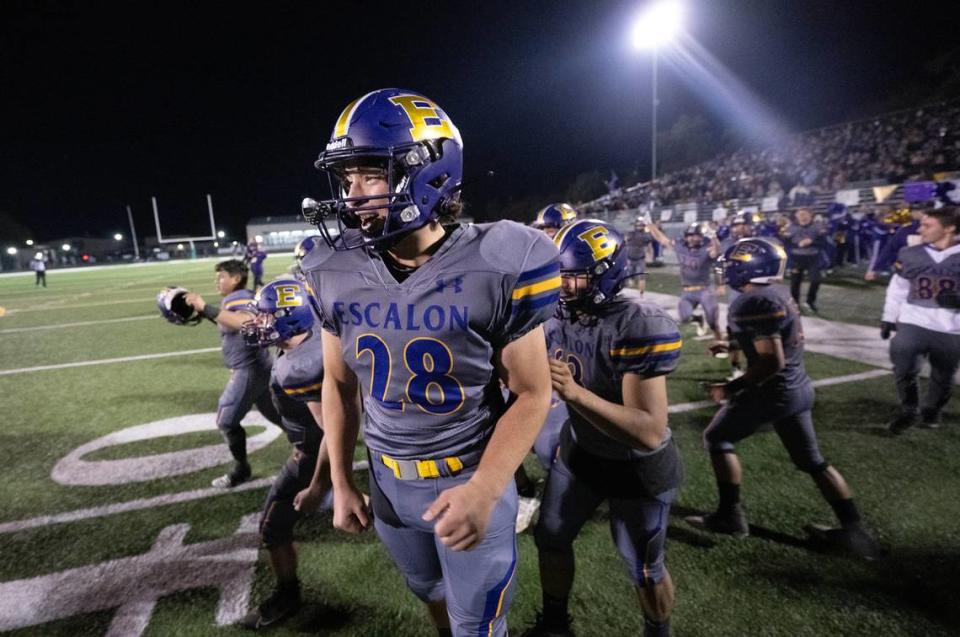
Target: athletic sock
x: 729, y: 496
x: 846, y: 511
x: 555, y: 615
x: 656, y: 629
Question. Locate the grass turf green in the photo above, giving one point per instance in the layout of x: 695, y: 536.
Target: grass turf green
x: 773, y: 583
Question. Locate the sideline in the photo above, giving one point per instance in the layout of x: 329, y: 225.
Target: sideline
x: 107, y: 361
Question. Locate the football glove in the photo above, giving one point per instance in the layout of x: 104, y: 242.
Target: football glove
x: 886, y: 328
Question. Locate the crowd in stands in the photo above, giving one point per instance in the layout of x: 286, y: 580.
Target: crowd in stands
x: 902, y: 146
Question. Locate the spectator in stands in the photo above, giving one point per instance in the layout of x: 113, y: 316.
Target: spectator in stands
x: 805, y: 241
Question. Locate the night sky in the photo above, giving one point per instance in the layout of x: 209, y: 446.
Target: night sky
x: 103, y: 106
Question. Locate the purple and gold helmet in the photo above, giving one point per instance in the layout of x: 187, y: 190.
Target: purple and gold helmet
x: 283, y: 311
x: 556, y: 215
x: 420, y: 151
x: 593, y: 248
x: 752, y: 260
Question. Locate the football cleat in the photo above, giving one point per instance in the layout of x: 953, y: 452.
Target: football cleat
x: 278, y: 607
x: 854, y: 539
x: 929, y: 420
x: 733, y: 523
x: 540, y: 629
x: 240, y: 474
x: 701, y: 324
x: 901, y: 423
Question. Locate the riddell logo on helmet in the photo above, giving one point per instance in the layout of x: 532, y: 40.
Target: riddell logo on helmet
x: 338, y: 143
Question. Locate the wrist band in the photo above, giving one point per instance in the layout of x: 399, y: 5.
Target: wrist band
x: 210, y: 311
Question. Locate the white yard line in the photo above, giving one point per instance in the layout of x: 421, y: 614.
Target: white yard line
x: 57, y: 326
x: 47, y: 308
x: 143, y: 503
x: 107, y: 361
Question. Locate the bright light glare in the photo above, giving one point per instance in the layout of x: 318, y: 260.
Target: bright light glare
x: 65, y: 247
x: 221, y: 234
x: 258, y: 238
x: 179, y: 246
x: 118, y: 237
x: 11, y: 250
x: 29, y: 242
x: 658, y: 24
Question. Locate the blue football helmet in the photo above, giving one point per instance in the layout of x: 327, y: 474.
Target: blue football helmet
x: 304, y: 247
x: 556, y: 215
x: 691, y: 232
x: 283, y: 311
x: 593, y: 248
x: 752, y: 260
x: 420, y: 151
x: 171, y: 301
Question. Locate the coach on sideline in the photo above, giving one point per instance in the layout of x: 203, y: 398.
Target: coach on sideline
x: 923, y: 307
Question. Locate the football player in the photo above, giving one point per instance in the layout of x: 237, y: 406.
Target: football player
x: 284, y: 319
x: 300, y: 252
x: 741, y: 227
x: 922, y: 307
x: 254, y: 258
x: 553, y: 217
x: 696, y: 258
x: 249, y: 366
x: 610, y: 354
x: 637, y: 241
x: 423, y: 317
x: 775, y: 389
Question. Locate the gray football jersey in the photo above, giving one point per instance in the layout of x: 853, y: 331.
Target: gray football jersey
x: 296, y: 379
x: 637, y: 242
x: 768, y: 311
x: 927, y: 277
x: 625, y: 336
x: 696, y: 264
x: 236, y: 353
x: 423, y: 349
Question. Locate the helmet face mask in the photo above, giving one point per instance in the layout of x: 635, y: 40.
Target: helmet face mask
x: 412, y: 143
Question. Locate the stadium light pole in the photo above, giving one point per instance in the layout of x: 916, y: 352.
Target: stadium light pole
x: 655, y: 28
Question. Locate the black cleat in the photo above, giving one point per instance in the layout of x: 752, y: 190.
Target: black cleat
x: 853, y: 539
x: 240, y: 474
x: 733, y: 523
x: 540, y: 629
x: 277, y: 608
x: 901, y: 423
x: 929, y: 420
x: 812, y: 307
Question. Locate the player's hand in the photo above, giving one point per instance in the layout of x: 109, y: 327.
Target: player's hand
x: 886, y: 328
x: 195, y: 300
x: 870, y: 276
x: 716, y: 391
x: 803, y: 243
x: 350, y: 510
x: 721, y: 290
x: 307, y: 500
x: 461, y: 515
x: 562, y: 379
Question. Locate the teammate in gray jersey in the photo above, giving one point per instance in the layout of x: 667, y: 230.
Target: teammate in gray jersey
x: 249, y: 366
x: 775, y: 389
x: 923, y: 307
x: 285, y: 319
x: 637, y: 241
x: 805, y: 240
x: 695, y: 258
x: 610, y: 354
x: 425, y: 317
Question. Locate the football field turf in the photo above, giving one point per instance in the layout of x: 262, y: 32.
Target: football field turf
x: 172, y: 554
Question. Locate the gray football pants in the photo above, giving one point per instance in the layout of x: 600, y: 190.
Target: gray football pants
x: 907, y: 350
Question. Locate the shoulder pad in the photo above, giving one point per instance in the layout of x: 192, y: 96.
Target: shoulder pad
x: 504, y: 245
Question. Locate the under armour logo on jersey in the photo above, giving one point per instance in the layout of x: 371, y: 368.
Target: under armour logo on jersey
x: 456, y: 284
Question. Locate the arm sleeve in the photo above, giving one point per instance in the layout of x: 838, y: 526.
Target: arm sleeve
x: 897, y: 293
x: 647, y: 346
x: 761, y: 317
x: 531, y: 295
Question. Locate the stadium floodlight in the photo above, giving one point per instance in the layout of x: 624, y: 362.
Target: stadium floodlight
x: 258, y: 238
x: 29, y: 242
x: 221, y: 234
x: 118, y: 237
x: 11, y: 251
x: 65, y: 247
x: 658, y: 25
x: 179, y: 246
x: 216, y: 244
